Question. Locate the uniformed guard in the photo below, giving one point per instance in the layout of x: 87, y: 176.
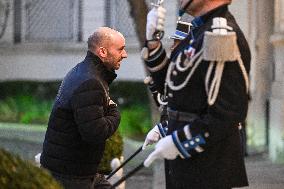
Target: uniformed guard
x: 205, y: 82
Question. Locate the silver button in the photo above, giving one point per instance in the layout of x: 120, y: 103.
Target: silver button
x: 174, y: 73
x: 186, y: 145
x: 197, y: 139
x: 170, y: 95
x: 191, y: 143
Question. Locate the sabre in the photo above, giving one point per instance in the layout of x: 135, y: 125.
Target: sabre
x: 139, y: 167
x: 127, y: 160
x: 158, y: 34
x: 135, y: 153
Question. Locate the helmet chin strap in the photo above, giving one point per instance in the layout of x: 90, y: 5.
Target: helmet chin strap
x: 183, y: 9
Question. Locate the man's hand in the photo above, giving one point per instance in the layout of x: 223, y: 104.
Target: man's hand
x: 112, y: 103
x: 165, y: 148
x: 155, y: 21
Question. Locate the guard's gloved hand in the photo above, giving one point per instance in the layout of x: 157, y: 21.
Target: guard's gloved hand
x: 165, y: 148
x: 180, y: 142
x: 155, y: 21
x: 155, y: 134
x: 152, y: 137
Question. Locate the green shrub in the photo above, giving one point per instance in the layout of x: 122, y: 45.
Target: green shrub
x: 8, y: 110
x: 17, y: 173
x: 135, y: 121
x: 129, y: 93
x: 41, y: 90
x: 114, y: 149
x: 25, y: 109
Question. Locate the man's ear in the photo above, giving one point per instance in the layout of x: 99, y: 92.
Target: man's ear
x: 103, y: 52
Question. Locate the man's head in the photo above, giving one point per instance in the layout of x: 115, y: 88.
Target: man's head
x: 109, y: 45
x: 199, y: 7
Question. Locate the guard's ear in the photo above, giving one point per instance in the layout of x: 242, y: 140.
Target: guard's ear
x: 103, y: 52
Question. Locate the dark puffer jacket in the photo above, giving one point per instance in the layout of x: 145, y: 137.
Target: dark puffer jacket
x: 81, y: 120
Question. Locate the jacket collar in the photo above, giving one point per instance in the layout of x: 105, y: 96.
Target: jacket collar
x: 100, y: 68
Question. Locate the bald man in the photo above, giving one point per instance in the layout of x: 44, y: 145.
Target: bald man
x: 207, y: 98
x: 83, y: 115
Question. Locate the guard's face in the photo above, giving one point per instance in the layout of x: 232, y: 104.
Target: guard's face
x: 183, y: 3
x: 116, y: 52
x: 195, y: 6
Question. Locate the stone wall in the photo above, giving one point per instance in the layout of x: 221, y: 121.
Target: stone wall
x: 7, y: 37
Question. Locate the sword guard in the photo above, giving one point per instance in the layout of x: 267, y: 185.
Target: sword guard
x: 158, y: 35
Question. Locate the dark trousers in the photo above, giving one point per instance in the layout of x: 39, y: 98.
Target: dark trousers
x: 170, y: 185
x: 97, y: 181
x: 167, y: 176
x: 243, y: 135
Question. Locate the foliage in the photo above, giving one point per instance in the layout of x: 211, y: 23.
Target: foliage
x: 113, y: 149
x: 17, y: 173
x: 40, y: 90
x: 129, y: 93
x: 25, y: 109
x: 135, y: 120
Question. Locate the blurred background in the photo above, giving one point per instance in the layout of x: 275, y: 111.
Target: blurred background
x: 41, y: 40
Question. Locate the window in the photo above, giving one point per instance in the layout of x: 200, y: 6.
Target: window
x: 118, y: 17
x: 47, y: 21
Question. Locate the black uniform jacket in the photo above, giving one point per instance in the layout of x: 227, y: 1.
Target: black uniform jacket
x: 221, y: 164
x: 81, y: 120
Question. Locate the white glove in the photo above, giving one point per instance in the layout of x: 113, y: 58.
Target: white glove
x: 165, y: 148
x: 155, y: 21
x: 152, y: 137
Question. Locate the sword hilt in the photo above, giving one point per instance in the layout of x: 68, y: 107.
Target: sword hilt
x: 158, y: 34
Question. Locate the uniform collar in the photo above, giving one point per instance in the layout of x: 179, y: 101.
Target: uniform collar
x: 197, y: 21
x: 200, y: 20
x: 107, y: 75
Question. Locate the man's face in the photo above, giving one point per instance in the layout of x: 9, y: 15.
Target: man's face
x: 116, y: 52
